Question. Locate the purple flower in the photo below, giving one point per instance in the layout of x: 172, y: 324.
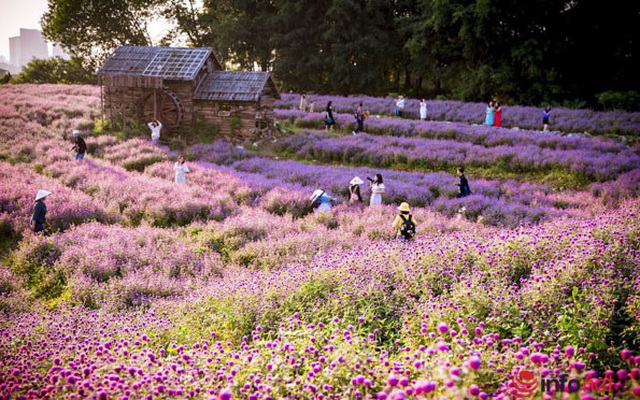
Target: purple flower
x: 475, y: 363
x: 474, y: 390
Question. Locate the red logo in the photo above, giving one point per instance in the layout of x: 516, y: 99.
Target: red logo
x: 524, y: 384
x: 602, y: 385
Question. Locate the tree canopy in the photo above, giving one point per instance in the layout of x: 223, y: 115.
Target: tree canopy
x: 513, y: 51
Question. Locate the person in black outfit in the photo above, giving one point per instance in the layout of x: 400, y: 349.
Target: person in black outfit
x: 328, y: 117
x: 39, y: 220
x: 463, y: 185
x: 79, y: 145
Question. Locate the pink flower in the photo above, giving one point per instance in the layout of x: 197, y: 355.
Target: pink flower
x: 474, y: 390
x: 475, y: 363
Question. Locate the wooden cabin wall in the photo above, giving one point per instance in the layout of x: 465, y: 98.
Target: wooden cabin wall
x: 122, y: 102
x: 214, y: 113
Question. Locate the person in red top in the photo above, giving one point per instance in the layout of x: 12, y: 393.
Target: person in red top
x: 497, y: 115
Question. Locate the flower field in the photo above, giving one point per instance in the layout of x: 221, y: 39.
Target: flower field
x: 231, y: 287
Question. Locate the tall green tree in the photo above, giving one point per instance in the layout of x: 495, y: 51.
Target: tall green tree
x: 92, y: 29
x: 360, y: 45
x: 240, y: 31
x: 300, y: 51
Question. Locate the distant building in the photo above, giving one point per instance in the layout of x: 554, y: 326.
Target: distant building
x: 29, y: 45
x: 58, y: 51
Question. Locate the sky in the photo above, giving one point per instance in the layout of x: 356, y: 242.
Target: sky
x: 16, y: 14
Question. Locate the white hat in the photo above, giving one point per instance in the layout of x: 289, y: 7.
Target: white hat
x: 356, y: 181
x: 42, y: 194
x: 315, y: 194
x: 75, y: 132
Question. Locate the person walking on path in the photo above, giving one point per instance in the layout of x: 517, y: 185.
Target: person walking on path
x: 303, y: 103
x: 546, y: 114
x: 328, y: 117
x: 497, y: 115
x: 79, y: 145
x: 355, y: 197
x: 404, y: 225
x: 423, y: 109
x: 400, y: 102
x: 181, y: 168
x: 489, y: 111
x: 155, y: 127
x: 377, y: 189
x: 463, y: 183
x: 359, y: 119
x: 39, y: 218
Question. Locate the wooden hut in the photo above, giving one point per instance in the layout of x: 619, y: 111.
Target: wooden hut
x: 182, y: 88
x: 239, y: 102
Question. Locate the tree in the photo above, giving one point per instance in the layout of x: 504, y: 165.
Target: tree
x: 54, y: 70
x: 239, y: 31
x: 5, y: 76
x: 91, y: 29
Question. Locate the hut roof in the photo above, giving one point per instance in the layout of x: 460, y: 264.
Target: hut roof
x: 235, y: 86
x: 171, y: 63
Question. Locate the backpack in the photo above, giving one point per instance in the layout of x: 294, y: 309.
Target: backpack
x: 408, y: 228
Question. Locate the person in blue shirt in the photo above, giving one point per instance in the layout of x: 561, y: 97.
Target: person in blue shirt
x: 321, y: 200
x: 546, y: 114
x: 39, y: 219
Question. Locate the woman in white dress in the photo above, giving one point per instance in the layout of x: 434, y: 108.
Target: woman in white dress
x: 377, y: 188
x: 423, y: 109
x: 180, y: 167
x: 155, y: 127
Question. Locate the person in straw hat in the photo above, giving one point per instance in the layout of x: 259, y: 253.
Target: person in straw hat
x: 404, y: 225
x: 39, y: 219
x: 355, y: 197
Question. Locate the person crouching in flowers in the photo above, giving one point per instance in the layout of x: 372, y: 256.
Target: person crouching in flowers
x: 355, y: 197
x: 320, y: 201
x: 39, y: 218
x: 180, y: 167
x: 404, y: 225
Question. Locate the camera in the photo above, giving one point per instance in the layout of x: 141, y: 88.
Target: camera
x: 369, y: 179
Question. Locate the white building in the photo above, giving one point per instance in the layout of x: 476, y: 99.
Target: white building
x: 29, y: 45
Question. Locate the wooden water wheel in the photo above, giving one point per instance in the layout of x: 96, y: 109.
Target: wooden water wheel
x: 163, y: 105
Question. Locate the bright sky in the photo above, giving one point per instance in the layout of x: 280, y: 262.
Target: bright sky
x: 16, y: 14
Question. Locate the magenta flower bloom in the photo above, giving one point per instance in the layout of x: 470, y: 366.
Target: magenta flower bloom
x: 475, y: 363
x: 393, y: 380
x: 578, y: 365
x: 225, y: 394
x: 625, y: 354
x: 443, y: 327
x: 569, y: 351
x: 474, y: 390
